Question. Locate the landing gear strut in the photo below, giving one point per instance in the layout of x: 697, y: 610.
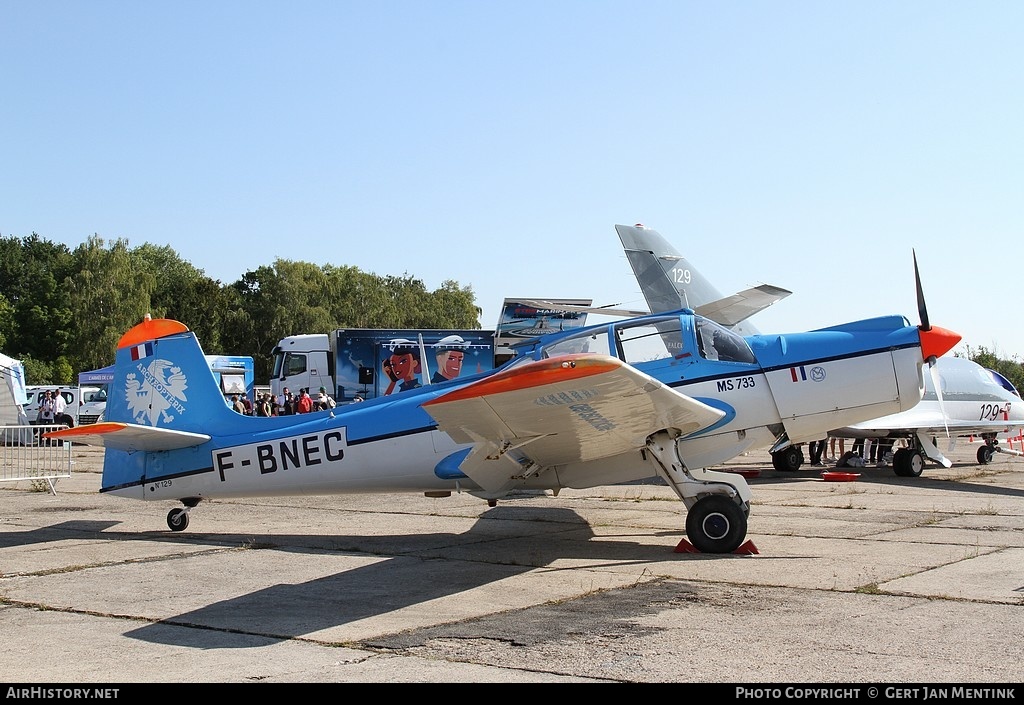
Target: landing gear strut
x: 717, y: 503
x: 177, y: 518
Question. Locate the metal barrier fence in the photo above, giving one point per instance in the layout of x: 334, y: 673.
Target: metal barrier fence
x: 25, y: 455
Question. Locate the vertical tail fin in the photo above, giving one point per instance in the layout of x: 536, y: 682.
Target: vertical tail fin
x: 669, y: 281
x: 162, y: 379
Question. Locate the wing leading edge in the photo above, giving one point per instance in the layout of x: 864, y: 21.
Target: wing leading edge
x: 566, y: 409
x: 129, y: 437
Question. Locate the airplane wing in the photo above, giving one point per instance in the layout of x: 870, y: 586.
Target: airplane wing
x: 727, y: 311
x: 560, y: 410
x: 930, y: 426
x: 128, y: 436
x: 739, y: 307
x: 570, y: 308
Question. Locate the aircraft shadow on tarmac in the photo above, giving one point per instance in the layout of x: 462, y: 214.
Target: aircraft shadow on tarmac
x: 417, y: 568
x: 415, y: 576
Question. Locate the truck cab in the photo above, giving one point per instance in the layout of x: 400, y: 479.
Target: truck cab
x: 303, y: 362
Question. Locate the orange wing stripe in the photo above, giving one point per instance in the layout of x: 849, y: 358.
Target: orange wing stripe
x: 556, y: 369
x: 88, y: 430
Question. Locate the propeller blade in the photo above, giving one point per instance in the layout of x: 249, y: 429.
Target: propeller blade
x: 937, y: 386
x: 922, y: 309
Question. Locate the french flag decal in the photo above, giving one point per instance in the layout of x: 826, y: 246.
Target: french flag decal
x: 140, y: 351
x: 799, y: 374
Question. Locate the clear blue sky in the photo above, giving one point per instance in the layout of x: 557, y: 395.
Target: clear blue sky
x: 809, y: 145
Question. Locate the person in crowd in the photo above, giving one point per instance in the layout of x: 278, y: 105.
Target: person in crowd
x: 59, y: 407
x: 285, y: 404
x: 324, y: 400
x: 305, y: 403
x: 832, y: 448
x: 262, y: 407
x: 46, y: 409
x: 237, y: 404
x: 816, y: 449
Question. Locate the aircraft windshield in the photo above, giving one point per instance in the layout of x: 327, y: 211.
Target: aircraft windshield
x: 718, y: 343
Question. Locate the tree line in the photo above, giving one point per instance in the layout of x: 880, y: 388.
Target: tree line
x: 62, y: 311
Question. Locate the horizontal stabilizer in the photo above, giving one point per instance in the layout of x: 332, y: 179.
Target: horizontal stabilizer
x: 739, y: 307
x: 129, y: 436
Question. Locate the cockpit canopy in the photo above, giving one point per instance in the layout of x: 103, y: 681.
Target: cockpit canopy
x: 650, y: 339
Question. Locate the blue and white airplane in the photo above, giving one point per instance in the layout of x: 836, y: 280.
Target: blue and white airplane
x: 970, y: 401
x: 669, y: 394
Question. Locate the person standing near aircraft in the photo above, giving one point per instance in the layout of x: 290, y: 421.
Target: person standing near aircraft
x: 45, y: 415
x: 284, y: 403
x: 305, y: 403
x: 59, y: 406
x: 832, y: 448
x: 816, y: 449
x: 324, y: 400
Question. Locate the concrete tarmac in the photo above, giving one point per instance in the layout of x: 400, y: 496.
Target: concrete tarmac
x: 882, y: 579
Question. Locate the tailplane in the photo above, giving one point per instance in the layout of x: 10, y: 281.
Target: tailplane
x: 669, y: 282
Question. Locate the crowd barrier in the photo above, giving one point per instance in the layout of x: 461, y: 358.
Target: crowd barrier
x: 25, y: 455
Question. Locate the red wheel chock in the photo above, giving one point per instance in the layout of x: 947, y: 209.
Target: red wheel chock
x: 746, y: 548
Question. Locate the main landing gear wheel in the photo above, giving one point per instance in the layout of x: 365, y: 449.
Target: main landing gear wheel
x: 716, y: 524
x: 985, y: 454
x: 177, y: 520
x: 907, y: 462
x: 788, y: 460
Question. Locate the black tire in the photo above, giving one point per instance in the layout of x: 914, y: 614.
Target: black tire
x: 177, y: 520
x: 716, y: 524
x: 908, y: 463
x: 985, y: 454
x: 788, y: 460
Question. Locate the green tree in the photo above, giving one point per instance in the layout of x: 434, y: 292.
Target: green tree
x: 183, y: 293
x: 110, y: 294
x: 32, y: 274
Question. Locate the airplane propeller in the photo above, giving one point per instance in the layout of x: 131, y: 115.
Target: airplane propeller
x: 922, y: 310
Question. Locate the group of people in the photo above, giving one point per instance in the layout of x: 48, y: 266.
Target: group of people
x: 51, y: 407
x: 285, y: 404
x: 870, y: 451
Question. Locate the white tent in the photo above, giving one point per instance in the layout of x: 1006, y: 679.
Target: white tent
x: 13, y: 397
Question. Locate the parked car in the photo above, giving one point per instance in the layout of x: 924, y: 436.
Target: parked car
x: 74, y: 398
